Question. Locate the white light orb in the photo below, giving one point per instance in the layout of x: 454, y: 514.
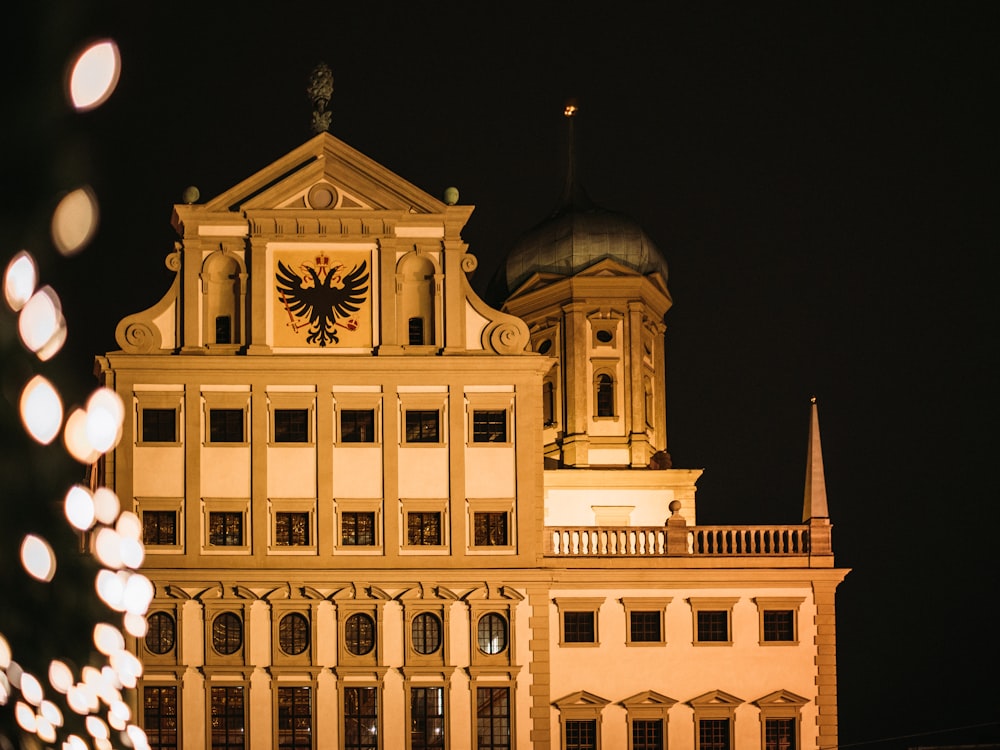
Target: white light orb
x: 108, y: 638
x: 74, y: 742
x: 31, y: 689
x: 97, y: 728
x: 20, y: 280
x: 136, y: 625
x: 78, y: 699
x: 4, y: 689
x: 75, y: 438
x: 106, y: 505
x: 4, y: 652
x: 74, y: 222
x: 137, y: 735
x: 51, y: 712
x: 110, y: 588
x: 79, y: 507
x: 94, y: 75
x: 121, y: 710
x: 60, y: 676
x: 44, y: 729
x: 41, y: 319
x: 132, y: 552
x: 107, y: 547
x: 138, y: 594
x: 41, y: 410
x: 128, y: 525
x: 105, y: 413
x: 25, y: 716
x: 38, y: 558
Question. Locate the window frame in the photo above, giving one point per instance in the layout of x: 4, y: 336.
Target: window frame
x: 347, y: 608
x: 379, y: 737
x: 225, y: 505
x: 215, y: 609
x: 172, y: 400
x: 210, y: 704
x: 423, y: 402
x: 491, y: 505
x: 484, y: 401
x: 475, y: 686
x: 358, y: 505
x: 504, y: 607
x: 173, y: 655
x: 579, y: 605
x: 781, y: 704
x: 225, y: 400
x: 635, y: 604
x: 647, y: 706
x: 414, y: 608
x: 276, y: 716
x: 351, y: 401
x: 278, y: 506
x: 410, y: 686
x: 599, y: 380
x: 409, y: 506
x: 767, y: 604
x: 580, y: 706
x: 291, y: 401
x: 175, y: 505
x: 715, y: 705
x: 279, y: 611
x: 177, y: 715
x: 706, y: 604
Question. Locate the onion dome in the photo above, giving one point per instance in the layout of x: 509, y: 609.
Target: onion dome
x: 576, y: 235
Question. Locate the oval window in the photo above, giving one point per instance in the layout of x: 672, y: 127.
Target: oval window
x: 492, y: 633
x: 161, y: 633
x: 293, y: 633
x: 426, y: 633
x: 227, y: 633
x: 359, y: 634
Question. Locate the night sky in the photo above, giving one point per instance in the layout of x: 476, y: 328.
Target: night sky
x: 821, y: 179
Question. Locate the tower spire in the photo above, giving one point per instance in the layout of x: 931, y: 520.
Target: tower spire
x: 574, y: 196
x: 814, y: 503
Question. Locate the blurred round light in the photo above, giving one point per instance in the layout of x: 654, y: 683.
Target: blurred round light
x: 20, y: 280
x: 4, y: 652
x: 60, y: 676
x: 128, y: 525
x: 136, y: 625
x: 137, y: 735
x: 41, y: 319
x: 108, y: 638
x: 31, y: 689
x: 41, y: 410
x: 43, y: 727
x: 138, y: 594
x: 78, y: 699
x: 94, y: 75
x: 121, y: 710
x: 25, y: 715
x: 75, y: 438
x: 97, y: 728
x: 74, y: 221
x: 4, y: 689
x: 51, y: 712
x: 116, y: 722
x: 105, y: 412
x: 74, y: 742
x: 80, y: 507
x: 107, y: 547
x: 131, y: 551
x: 54, y: 344
x: 106, y: 505
x: 127, y: 667
x: 110, y: 588
x: 38, y: 558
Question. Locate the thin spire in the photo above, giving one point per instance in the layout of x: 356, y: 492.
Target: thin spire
x: 320, y: 90
x: 814, y: 504
x: 574, y: 196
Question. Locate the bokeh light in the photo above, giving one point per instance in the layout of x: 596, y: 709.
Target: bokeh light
x: 41, y: 321
x: 76, y: 440
x: 20, y: 280
x: 60, y: 676
x: 74, y: 222
x: 94, y: 75
x: 41, y: 410
x: 38, y: 559
x: 106, y: 505
x: 80, y: 507
x: 105, y: 413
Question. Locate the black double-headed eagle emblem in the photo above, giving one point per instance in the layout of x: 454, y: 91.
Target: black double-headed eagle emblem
x: 324, y: 295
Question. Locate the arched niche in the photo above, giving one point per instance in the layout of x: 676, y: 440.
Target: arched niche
x: 223, y: 285
x: 416, y: 306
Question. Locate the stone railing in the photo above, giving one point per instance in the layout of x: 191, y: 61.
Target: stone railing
x: 677, y: 539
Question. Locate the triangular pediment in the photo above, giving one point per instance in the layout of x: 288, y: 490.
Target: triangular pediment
x: 325, y: 173
x: 715, y: 698
x: 648, y: 699
x: 581, y: 698
x: 781, y: 698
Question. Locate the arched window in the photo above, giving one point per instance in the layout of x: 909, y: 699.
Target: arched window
x: 548, y: 402
x: 650, y: 405
x: 415, y: 279
x: 605, y: 393
x: 221, y: 283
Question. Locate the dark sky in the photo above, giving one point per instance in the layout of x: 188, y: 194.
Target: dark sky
x: 819, y: 176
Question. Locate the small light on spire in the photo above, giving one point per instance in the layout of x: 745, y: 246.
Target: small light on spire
x: 571, y: 108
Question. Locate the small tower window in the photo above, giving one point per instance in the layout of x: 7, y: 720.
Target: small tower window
x: 223, y: 329
x: 548, y: 402
x: 416, y: 331
x: 605, y: 396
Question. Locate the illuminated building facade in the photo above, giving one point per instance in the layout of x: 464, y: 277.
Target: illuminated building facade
x: 381, y: 514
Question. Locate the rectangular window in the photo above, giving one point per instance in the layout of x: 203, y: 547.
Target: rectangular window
x: 159, y: 425
x: 159, y: 527
x: 291, y: 529
x: 713, y: 734
x: 415, y: 331
x: 159, y: 710
x: 490, y: 529
x: 644, y: 627
x: 779, y: 734
x: 295, y: 718
x: 291, y: 425
x: 427, y: 718
x: 493, y: 718
x: 357, y: 425
x: 581, y: 734
x: 422, y: 426
x: 357, y: 529
x: 228, y: 718
x: 223, y: 329
x: 489, y: 426
x: 225, y: 425
x: 779, y: 625
x: 713, y: 625
x: 225, y: 529
x: 647, y: 734
x: 578, y: 627
x: 360, y: 718
x: 423, y: 528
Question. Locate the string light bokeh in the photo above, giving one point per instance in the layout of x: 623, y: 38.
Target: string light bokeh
x: 77, y: 702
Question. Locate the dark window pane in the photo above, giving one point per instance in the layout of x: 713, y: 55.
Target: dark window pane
x: 581, y: 734
x: 426, y: 718
x: 779, y: 734
x: 357, y: 426
x: 493, y: 718
x: 426, y: 633
x: 578, y: 627
x: 357, y: 529
x: 225, y: 425
x: 489, y: 426
x: 490, y: 529
x: 492, y: 633
x: 159, y: 708
x: 295, y: 718
x: 159, y: 527
x: 605, y: 396
x: 160, y: 633
x: 359, y: 634
x: 293, y: 633
x: 713, y: 734
x: 159, y: 425
x: 360, y: 718
x: 223, y: 329
x: 225, y: 529
x: 415, y: 331
x: 227, y: 633
x: 423, y: 528
x: 291, y: 425
x: 291, y: 529
x: 713, y: 625
x: 548, y: 402
x: 647, y: 734
x: 645, y: 627
x: 779, y: 625
x: 422, y: 425
x: 228, y: 718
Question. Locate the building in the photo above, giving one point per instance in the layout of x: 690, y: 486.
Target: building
x: 380, y: 513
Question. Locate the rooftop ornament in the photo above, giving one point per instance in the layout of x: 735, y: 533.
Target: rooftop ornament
x: 320, y: 90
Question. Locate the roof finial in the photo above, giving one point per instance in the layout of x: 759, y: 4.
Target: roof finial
x: 814, y: 504
x: 573, y: 195
x: 320, y: 90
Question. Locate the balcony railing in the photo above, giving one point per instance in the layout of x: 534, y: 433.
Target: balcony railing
x: 678, y: 540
